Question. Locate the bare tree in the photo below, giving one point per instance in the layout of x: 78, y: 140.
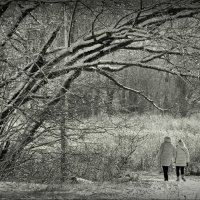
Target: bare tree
x: 153, y: 30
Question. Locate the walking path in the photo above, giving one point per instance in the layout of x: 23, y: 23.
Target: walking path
x: 190, y: 189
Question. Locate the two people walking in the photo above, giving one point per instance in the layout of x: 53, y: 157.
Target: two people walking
x: 168, y: 153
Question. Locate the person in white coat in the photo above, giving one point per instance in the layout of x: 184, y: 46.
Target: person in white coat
x: 182, y: 158
x: 166, y: 155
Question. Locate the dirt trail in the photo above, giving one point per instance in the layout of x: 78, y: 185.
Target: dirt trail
x: 190, y: 189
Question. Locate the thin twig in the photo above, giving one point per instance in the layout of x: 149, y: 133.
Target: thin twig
x: 71, y: 23
x: 132, y: 90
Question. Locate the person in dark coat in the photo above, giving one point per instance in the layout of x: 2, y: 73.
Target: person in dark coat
x: 166, y: 154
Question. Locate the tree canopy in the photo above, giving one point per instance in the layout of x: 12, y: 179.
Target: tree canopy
x: 157, y: 35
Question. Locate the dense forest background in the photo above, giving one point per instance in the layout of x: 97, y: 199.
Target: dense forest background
x: 90, y: 88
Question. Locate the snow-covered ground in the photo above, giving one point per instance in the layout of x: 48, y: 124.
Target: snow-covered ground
x: 190, y: 189
x: 150, y: 186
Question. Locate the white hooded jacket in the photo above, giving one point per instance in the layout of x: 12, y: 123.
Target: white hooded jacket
x: 182, y: 156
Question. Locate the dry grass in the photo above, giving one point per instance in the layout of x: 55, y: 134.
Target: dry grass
x: 150, y: 186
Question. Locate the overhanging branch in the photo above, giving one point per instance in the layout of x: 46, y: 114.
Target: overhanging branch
x: 121, y: 65
x: 140, y: 93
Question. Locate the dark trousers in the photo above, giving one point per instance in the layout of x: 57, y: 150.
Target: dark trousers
x: 165, y: 170
x: 178, y: 168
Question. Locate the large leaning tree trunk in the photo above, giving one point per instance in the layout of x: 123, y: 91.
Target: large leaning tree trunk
x: 146, y: 29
